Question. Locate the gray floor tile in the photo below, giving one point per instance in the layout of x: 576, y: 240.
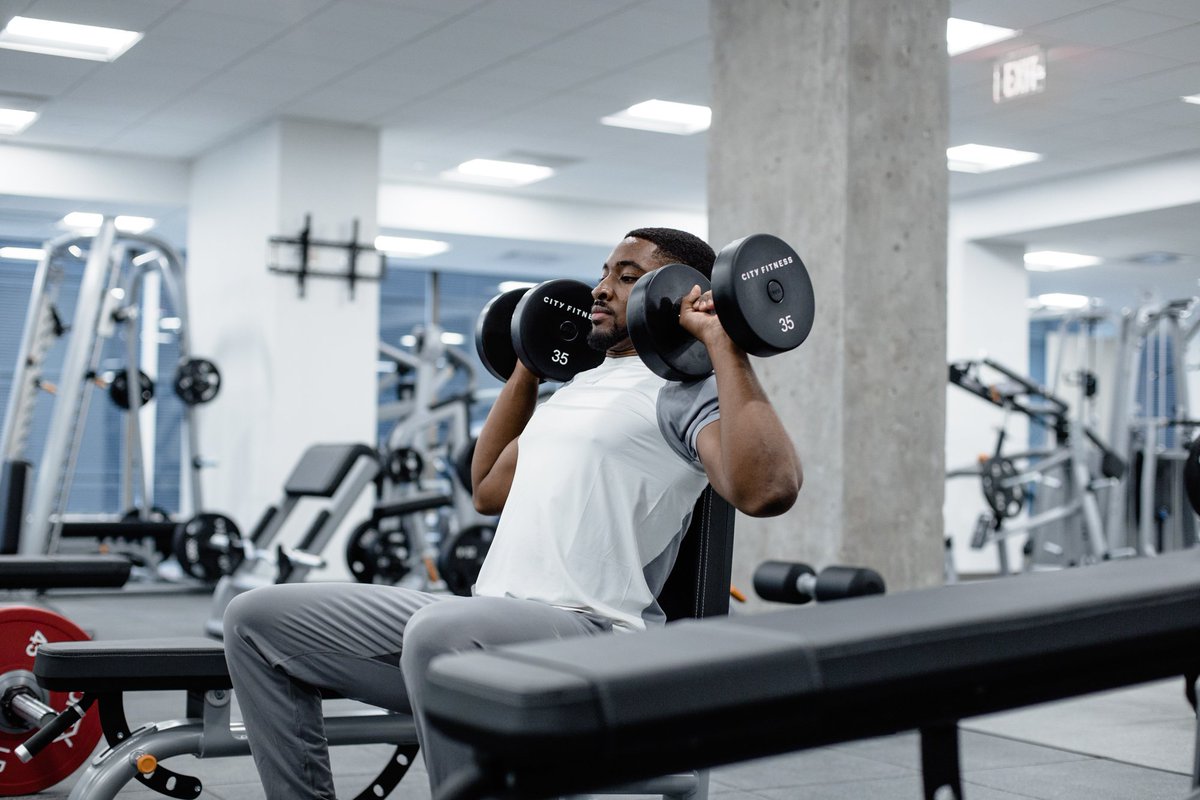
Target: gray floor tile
x: 1091, y: 779
x: 900, y: 788
x: 806, y: 768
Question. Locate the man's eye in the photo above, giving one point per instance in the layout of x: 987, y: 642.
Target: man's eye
x: 629, y: 279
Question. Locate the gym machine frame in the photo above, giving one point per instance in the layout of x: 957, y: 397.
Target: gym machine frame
x: 102, y: 302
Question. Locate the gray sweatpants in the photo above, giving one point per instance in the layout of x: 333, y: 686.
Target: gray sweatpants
x: 366, y: 642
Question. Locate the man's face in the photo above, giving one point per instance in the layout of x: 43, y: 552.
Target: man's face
x: 628, y: 261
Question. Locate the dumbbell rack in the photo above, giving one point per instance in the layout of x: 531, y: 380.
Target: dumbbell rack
x: 108, y: 293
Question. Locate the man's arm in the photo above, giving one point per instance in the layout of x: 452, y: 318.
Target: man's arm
x: 749, y: 457
x: 495, y: 458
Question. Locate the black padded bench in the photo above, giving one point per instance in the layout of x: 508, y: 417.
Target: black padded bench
x: 105, y: 671
x: 63, y: 572
x: 570, y: 716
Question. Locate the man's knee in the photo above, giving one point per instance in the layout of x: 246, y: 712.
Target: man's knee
x: 248, y: 615
x: 438, y: 628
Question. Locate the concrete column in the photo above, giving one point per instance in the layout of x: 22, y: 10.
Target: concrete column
x: 295, y: 370
x: 829, y: 130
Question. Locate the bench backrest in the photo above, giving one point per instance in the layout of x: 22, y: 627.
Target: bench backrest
x: 698, y: 585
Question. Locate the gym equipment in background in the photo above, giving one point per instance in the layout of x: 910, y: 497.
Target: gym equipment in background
x: 797, y: 583
x: 1006, y: 478
x: 114, y: 296
x: 1153, y: 420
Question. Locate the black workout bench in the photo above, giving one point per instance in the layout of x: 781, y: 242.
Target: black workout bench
x: 63, y: 572
x: 569, y: 716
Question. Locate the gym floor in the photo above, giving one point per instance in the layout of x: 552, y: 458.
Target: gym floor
x: 1135, y: 743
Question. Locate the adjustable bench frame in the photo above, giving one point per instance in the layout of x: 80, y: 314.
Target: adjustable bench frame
x: 565, y: 717
x: 104, y: 671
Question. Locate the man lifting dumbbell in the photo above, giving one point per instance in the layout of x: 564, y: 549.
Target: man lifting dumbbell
x: 596, y: 486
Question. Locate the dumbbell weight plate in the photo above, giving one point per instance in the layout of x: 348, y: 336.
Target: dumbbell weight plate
x: 118, y: 389
x: 763, y: 294
x: 1006, y: 501
x: 378, y: 556
x: 208, y: 546
x: 493, y: 334
x: 197, y: 381
x: 653, y: 318
x: 549, y: 330
x: 22, y: 630
x: 462, y: 556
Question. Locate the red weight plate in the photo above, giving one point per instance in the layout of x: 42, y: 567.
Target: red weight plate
x: 22, y: 630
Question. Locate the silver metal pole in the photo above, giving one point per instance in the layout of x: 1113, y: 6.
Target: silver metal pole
x: 70, y: 391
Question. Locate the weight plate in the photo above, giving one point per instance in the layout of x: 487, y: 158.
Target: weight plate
x: 653, y: 316
x: 763, y: 295
x: 1191, y: 475
x: 197, y: 381
x: 549, y: 330
x: 1005, y: 500
x: 462, y: 556
x: 376, y: 556
x: 493, y: 334
x: 208, y: 546
x: 118, y: 388
x: 404, y: 465
x: 22, y: 630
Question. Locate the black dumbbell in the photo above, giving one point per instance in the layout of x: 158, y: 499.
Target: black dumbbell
x: 545, y: 327
x: 796, y: 583
x: 763, y: 297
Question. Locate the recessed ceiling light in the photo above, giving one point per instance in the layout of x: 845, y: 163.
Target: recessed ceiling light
x: 404, y: 247
x: 66, y: 39
x: 453, y: 338
x: 89, y: 220
x: 21, y: 253
x: 15, y: 120
x: 498, y: 173
x: 963, y: 35
x: 1054, y: 260
x: 1191, y: 98
x: 1059, y: 300
x: 978, y: 158
x: 662, y: 116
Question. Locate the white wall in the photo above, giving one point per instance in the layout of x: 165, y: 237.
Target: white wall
x: 296, y: 370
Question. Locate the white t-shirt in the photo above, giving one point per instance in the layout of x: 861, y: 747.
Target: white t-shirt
x: 607, y: 475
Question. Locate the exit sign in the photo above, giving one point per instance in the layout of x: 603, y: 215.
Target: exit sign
x: 1019, y: 74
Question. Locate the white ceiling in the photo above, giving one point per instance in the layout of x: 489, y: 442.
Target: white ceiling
x: 448, y: 80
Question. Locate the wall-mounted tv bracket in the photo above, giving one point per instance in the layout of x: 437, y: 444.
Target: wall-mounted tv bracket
x: 306, y: 243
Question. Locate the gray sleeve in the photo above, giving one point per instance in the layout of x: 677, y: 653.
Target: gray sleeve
x: 683, y: 410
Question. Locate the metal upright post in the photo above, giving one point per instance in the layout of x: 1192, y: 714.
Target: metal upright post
x: 71, y: 388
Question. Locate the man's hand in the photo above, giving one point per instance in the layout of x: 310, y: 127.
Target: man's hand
x: 698, y: 316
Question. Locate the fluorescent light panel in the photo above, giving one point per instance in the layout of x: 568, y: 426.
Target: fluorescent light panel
x: 21, y: 253
x: 404, y: 247
x: 976, y: 158
x: 1059, y: 300
x: 662, y: 116
x: 1191, y: 98
x: 90, y: 220
x: 68, y: 39
x: 498, y: 173
x: 963, y: 35
x: 1055, y: 260
x: 15, y: 120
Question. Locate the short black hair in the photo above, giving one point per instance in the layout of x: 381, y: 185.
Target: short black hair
x: 675, y: 246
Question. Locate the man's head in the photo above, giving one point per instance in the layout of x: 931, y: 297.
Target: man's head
x: 641, y: 251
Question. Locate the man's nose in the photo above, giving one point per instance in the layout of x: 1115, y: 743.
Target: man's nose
x: 601, y: 291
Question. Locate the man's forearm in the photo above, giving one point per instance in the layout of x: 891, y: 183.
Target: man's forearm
x: 505, y: 421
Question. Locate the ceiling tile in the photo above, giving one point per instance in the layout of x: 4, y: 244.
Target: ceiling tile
x: 1182, y: 44
x: 1184, y: 9
x: 1019, y: 14
x: 1107, y: 26
x: 31, y: 73
x: 129, y: 15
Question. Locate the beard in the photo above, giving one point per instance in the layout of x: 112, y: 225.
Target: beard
x: 602, y: 340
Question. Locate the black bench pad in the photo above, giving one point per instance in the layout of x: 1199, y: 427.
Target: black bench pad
x: 132, y: 665
x: 700, y: 693
x: 63, y: 572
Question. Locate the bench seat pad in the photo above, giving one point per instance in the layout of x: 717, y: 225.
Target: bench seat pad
x: 132, y: 665
x: 63, y: 572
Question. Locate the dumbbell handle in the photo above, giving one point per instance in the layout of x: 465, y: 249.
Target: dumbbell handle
x: 790, y: 582
x: 52, y: 729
